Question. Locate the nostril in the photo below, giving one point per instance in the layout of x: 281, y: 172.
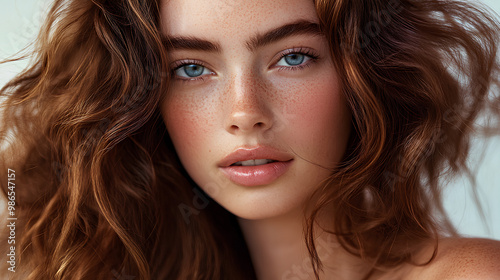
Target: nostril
x: 246, y: 123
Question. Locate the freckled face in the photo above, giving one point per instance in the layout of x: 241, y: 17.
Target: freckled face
x: 253, y: 76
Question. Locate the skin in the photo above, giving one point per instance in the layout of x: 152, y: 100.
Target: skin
x: 250, y: 100
x: 254, y: 97
x: 246, y: 97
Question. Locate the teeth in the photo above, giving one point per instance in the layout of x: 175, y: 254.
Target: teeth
x: 253, y: 162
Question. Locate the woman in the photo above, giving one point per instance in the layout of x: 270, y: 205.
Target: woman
x: 220, y: 139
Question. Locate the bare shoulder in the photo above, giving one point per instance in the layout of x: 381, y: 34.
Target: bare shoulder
x: 460, y: 258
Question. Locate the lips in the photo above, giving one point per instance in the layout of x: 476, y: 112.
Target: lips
x: 255, y: 166
x: 253, y: 162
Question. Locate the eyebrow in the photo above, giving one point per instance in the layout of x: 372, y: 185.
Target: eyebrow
x: 295, y: 28
x: 190, y: 43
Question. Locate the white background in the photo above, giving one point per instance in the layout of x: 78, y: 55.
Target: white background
x: 20, y: 21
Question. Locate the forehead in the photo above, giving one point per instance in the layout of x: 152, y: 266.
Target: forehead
x: 231, y: 19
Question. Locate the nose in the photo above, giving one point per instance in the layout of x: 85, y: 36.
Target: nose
x: 249, y: 112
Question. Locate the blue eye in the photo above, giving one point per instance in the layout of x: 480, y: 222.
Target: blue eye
x: 190, y: 71
x: 293, y: 59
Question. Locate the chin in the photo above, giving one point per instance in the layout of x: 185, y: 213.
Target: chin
x: 258, y: 208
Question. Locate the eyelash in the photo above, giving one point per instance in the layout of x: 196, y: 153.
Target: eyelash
x: 307, y: 52
x: 178, y: 64
x: 302, y: 51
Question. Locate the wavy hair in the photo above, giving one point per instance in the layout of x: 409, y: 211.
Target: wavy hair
x: 101, y: 192
x: 416, y: 75
x: 99, y: 186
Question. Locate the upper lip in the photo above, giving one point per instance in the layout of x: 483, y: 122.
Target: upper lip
x: 257, y: 152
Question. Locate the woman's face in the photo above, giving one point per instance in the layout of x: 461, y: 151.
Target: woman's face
x: 254, y: 108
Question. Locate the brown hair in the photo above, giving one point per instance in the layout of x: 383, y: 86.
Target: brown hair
x: 416, y: 75
x: 101, y: 190
x: 99, y: 186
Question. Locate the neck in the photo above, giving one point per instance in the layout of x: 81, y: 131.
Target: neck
x: 278, y: 251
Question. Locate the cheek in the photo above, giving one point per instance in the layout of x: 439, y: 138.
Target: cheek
x: 320, y: 119
x: 188, y: 124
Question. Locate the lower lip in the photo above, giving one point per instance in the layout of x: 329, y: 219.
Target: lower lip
x: 256, y: 175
